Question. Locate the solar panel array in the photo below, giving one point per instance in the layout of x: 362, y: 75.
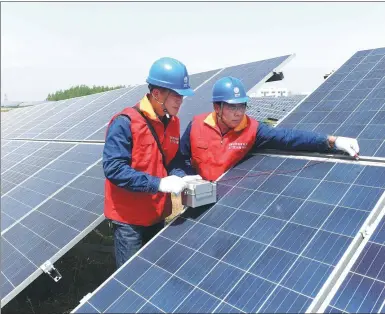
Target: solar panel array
x: 261, y: 108
x: 52, y: 186
x: 351, y: 102
x: 282, y: 226
x: 268, y: 245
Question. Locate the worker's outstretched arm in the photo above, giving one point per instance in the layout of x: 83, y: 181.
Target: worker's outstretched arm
x: 181, y: 164
x: 117, y: 156
x: 291, y: 139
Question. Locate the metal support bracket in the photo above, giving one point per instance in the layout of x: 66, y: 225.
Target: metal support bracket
x: 367, y: 232
x: 49, y: 269
x: 85, y: 298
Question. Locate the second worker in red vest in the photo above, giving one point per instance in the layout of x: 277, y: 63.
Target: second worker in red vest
x: 214, y: 142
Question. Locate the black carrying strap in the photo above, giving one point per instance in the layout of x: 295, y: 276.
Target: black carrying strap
x: 154, y: 135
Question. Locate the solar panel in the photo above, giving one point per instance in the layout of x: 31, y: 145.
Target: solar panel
x: 261, y: 108
x: 52, y: 196
x: 29, y: 117
x: 351, y: 102
x: 363, y: 290
x: 45, y: 122
x: 269, y: 244
x: 10, y: 117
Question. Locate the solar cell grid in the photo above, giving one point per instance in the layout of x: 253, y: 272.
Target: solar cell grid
x: 363, y: 290
x: 255, y: 250
x: 349, y: 103
x: 261, y: 108
x: 31, y: 118
x: 50, y: 121
x: 9, y: 117
x: 50, y: 229
x: 37, y: 177
x: 69, y: 122
x: 95, y: 122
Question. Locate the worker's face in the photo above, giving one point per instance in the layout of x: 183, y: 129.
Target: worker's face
x: 232, y: 114
x: 172, y: 101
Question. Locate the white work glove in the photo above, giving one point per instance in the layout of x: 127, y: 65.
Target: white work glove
x: 172, y: 184
x: 349, y: 145
x: 188, y: 179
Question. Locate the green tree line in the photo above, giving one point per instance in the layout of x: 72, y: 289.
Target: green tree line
x: 80, y: 90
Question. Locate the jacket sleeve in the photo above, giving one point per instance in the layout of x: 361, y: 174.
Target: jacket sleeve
x: 117, y: 158
x: 181, y: 165
x: 290, y: 139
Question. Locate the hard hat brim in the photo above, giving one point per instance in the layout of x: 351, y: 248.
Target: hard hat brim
x: 237, y: 100
x: 183, y: 92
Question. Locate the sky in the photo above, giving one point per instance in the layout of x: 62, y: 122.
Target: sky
x: 50, y: 46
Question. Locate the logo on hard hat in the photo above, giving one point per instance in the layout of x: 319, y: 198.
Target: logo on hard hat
x: 236, y: 92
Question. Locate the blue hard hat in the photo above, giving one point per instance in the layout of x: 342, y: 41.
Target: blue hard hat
x: 230, y: 90
x: 172, y: 74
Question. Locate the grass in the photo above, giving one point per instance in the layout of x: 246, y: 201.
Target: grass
x: 84, y: 268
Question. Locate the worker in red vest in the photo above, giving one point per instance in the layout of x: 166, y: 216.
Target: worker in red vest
x: 141, y: 143
x: 214, y: 142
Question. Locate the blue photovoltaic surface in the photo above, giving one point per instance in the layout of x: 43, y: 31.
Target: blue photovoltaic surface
x: 363, y: 290
x: 21, y: 159
x: 29, y: 118
x: 52, y: 197
x: 65, y: 118
x: 351, y: 102
x: 15, y: 118
x: 250, y: 74
x: 261, y: 108
x: 267, y: 245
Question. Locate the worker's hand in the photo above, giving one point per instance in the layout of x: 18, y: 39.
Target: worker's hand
x: 172, y: 184
x: 191, y: 178
x: 349, y: 145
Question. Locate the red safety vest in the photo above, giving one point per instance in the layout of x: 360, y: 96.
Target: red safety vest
x: 139, y: 208
x: 213, y: 154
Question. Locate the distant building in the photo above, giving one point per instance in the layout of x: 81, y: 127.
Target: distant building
x: 271, y: 92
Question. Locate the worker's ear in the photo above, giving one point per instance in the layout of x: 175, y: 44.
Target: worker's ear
x: 158, y: 91
x: 217, y: 108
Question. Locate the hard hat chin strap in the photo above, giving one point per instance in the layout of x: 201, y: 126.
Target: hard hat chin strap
x: 162, y: 104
